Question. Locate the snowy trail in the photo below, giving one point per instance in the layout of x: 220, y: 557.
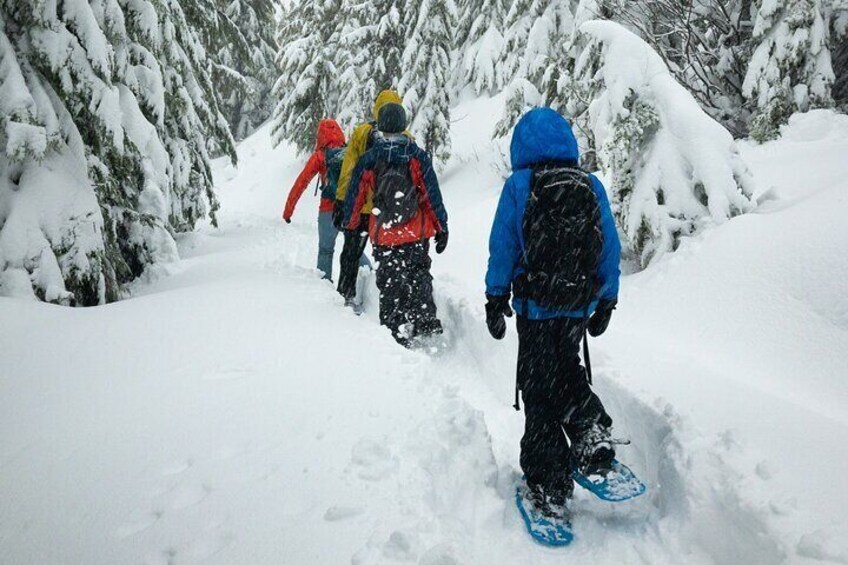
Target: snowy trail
x: 233, y: 411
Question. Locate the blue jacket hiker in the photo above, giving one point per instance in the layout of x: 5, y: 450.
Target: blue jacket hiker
x: 554, y: 248
x: 543, y: 136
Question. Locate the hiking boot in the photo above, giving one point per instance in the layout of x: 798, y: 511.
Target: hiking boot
x: 593, y: 450
x: 550, y: 503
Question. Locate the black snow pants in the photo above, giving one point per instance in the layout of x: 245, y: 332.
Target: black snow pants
x: 558, y: 401
x: 354, y: 246
x: 406, y: 290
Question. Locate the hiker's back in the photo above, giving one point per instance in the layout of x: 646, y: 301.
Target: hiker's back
x: 563, y: 239
x: 396, y: 196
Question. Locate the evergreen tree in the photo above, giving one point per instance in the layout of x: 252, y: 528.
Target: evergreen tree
x: 791, y: 68
x: 243, y: 59
x: 536, y: 40
x: 107, y: 107
x: 427, y: 72
x: 672, y: 169
x: 307, y: 88
x: 369, y: 57
x: 706, y: 44
x: 480, y: 35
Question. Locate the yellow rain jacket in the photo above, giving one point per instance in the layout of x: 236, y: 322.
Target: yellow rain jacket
x: 357, y: 145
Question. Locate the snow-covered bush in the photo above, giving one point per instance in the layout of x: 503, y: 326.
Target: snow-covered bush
x: 791, y: 68
x: 106, y: 110
x: 672, y: 168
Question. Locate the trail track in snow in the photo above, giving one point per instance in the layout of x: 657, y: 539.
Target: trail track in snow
x: 246, y: 416
x: 452, y: 473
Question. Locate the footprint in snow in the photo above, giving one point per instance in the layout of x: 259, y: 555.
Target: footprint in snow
x: 372, y: 460
x: 188, y: 495
x: 338, y: 513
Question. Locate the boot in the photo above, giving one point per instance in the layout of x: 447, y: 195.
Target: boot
x: 552, y: 503
x: 593, y: 450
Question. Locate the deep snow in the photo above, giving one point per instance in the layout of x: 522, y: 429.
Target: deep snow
x: 233, y: 411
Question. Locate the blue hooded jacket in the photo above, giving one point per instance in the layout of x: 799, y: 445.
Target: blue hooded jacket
x: 542, y: 136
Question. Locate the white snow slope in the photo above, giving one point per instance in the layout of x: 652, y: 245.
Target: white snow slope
x: 233, y: 411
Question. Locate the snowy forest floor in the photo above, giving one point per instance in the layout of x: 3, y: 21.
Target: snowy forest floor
x: 233, y: 411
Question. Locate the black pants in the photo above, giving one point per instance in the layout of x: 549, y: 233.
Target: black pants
x: 406, y: 290
x: 354, y: 246
x: 558, y: 400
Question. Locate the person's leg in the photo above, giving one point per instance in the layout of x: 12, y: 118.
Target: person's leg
x: 327, y: 234
x: 363, y: 259
x: 354, y: 245
x: 585, y: 420
x: 544, y: 448
x: 419, y: 307
x: 389, y: 261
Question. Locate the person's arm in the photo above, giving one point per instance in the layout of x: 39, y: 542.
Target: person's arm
x: 504, y: 244
x: 314, y: 166
x: 355, y: 149
x: 431, y: 186
x: 609, y: 268
x: 361, y: 182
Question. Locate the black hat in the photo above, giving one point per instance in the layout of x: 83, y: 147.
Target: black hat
x: 391, y: 118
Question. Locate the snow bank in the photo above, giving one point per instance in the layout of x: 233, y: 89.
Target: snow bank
x: 271, y: 423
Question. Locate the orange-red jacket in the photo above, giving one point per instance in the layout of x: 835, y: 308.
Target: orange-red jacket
x: 330, y: 135
x: 431, y: 217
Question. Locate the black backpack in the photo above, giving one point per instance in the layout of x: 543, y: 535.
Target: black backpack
x: 333, y: 158
x: 562, y: 238
x: 395, y: 195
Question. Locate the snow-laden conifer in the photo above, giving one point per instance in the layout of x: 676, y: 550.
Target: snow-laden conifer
x: 480, y: 44
x: 242, y: 51
x: 672, y: 169
x: 307, y: 88
x: 370, y: 53
x: 426, y: 84
x: 106, y: 109
x: 790, y: 69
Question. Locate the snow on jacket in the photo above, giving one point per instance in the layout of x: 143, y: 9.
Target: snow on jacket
x: 431, y: 217
x: 330, y: 135
x: 359, y: 145
x: 542, y: 136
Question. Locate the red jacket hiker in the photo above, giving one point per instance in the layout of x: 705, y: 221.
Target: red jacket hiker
x: 330, y: 135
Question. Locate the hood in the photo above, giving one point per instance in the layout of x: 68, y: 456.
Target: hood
x: 542, y: 135
x: 384, y: 98
x: 329, y: 135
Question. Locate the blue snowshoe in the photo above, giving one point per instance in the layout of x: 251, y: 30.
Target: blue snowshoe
x: 614, y: 484
x: 547, y: 523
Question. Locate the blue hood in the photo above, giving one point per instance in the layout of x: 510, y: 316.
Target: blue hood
x: 542, y: 135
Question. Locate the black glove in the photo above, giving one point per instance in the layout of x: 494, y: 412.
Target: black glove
x: 496, y: 308
x: 599, y: 321
x: 338, y: 214
x: 441, y: 241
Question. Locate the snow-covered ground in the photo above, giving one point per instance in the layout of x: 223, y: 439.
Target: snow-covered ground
x: 233, y: 411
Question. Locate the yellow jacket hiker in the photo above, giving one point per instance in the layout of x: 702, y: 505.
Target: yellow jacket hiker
x: 358, y: 145
x: 354, y: 240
